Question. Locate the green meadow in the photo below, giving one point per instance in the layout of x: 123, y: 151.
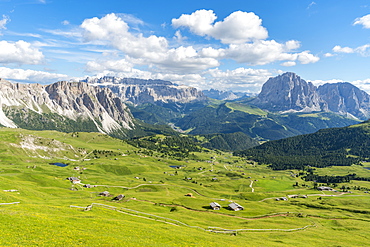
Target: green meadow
x: 166, y: 201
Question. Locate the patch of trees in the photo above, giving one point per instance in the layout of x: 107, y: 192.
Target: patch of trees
x: 178, y: 147
x: 328, y: 147
x: 229, y: 142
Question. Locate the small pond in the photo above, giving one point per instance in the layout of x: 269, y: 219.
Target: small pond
x: 58, y: 164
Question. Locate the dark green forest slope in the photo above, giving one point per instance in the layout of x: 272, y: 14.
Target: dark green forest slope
x: 327, y: 147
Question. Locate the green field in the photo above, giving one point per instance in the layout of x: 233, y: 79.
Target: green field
x: 163, y: 206
x: 246, y: 108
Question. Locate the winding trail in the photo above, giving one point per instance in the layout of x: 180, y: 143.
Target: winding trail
x: 251, y: 186
x: 137, y: 186
x: 174, y: 222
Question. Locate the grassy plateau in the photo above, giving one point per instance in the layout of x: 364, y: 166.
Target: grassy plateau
x: 166, y: 201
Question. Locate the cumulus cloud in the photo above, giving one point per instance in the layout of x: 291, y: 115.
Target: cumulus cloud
x: 267, y: 51
x: 30, y: 75
x: 340, y: 49
x: 19, y: 52
x: 306, y: 57
x: 288, y: 64
x: 364, y: 21
x: 143, y: 50
x: 242, y: 39
x: 363, y: 50
x: 329, y: 55
x: 240, y: 79
x: 362, y: 84
x: 238, y: 27
x: 115, y: 31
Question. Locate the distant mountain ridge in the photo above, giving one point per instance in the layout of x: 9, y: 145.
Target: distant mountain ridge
x: 60, y: 104
x: 346, y: 99
x: 140, y: 91
x: 289, y: 93
x: 222, y: 95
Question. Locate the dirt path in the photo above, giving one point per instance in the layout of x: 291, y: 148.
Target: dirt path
x: 213, y: 212
x: 137, y: 186
x: 179, y: 223
x: 251, y: 186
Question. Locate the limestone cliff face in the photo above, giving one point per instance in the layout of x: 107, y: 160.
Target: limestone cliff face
x: 346, y: 99
x: 288, y: 92
x: 74, y: 100
x: 139, y: 91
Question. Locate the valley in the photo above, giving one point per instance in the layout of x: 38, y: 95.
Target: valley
x: 166, y: 200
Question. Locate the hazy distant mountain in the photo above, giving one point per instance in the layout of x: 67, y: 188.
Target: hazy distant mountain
x: 65, y: 106
x: 140, y: 91
x: 223, y: 95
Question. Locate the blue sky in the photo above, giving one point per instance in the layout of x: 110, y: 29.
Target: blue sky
x: 229, y: 45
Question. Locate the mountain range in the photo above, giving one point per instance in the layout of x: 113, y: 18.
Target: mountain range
x: 140, y: 91
x: 289, y: 93
x: 65, y: 106
x: 287, y: 106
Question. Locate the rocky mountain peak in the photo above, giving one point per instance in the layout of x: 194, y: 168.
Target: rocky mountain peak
x: 74, y: 100
x: 346, y: 99
x: 140, y: 91
x: 289, y: 92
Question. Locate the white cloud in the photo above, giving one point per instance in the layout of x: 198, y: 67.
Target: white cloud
x: 130, y: 19
x: 115, y: 31
x: 240, y: 79
x: 183, y: 59
x: 178, y: 37
x: 150, y: 50
x: 310, y: 5
x: 362, y: 84
x: 288, y: 64
x: 109, y: 65
x: 238, y: 27
x: 329, y: 55
x: 364, y: 21
x: 242, y: 31
x: 340, y: 49
x: 305, y: 57
x: 363, y: 50
x: 19, y: 52
x: 30, y: 75
x: 267, y: 51
x: 3, y: 22
x: 65, y: 23
x: 199, y: 22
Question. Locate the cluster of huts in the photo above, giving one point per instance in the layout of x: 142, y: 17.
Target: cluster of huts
x: 232, y: 206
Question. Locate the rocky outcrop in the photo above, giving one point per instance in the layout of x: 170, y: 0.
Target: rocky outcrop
x: 140, y: 91
x: 74, y: 100
x: 288, y: 92
x: 346, y: 99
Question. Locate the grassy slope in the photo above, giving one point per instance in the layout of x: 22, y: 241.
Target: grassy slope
x: 44, y: 216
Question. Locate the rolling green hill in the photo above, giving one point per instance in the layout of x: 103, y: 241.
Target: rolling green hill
x: 166, y: 201
x: 227, y: 118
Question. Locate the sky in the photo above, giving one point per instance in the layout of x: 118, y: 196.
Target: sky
x: 227, y: 45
